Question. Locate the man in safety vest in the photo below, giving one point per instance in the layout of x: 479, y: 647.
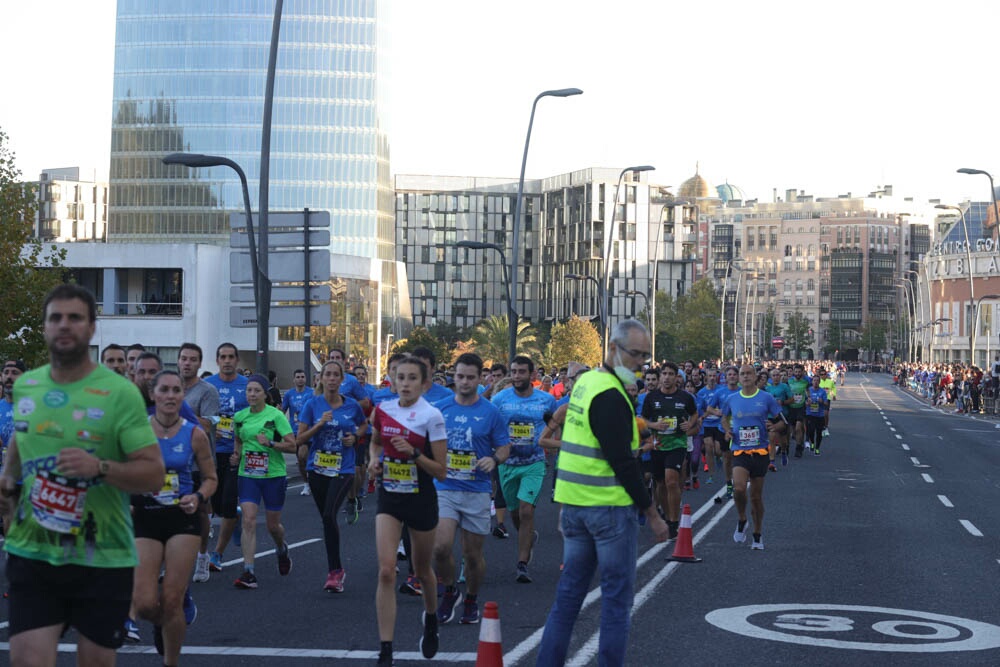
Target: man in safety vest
x: 600, y: 487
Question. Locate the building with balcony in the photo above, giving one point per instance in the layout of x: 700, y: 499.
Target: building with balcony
x: 72, y: 205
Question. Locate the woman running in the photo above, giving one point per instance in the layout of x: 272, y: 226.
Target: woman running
x: 167, y: 528
x: 329, y: 426
x: 409, y: 433
x: 262, y: 435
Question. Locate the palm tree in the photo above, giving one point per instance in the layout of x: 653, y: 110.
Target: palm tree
x: 491, y: 339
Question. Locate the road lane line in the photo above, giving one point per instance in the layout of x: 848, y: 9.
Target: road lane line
x: 944, y: 501
x: 271, y: 551
x: 927, y: 478
x: 898, y: 436
x: 892, y: 429
x: 975, y: 532
x: 915, y: 461
x: 906, y: 447
x: 268, y: 652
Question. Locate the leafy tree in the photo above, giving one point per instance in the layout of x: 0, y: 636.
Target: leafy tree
x: 28, y: 271
x: 491, y: 339
x: 421, y: 337
x: 666, y: 328
x: 447, y: 332
x: 798, y: 333
x: 574, y: 340
x: 834, y: 338
x: 697, y: 315
x: 873, y: 338
x: 770, y: 327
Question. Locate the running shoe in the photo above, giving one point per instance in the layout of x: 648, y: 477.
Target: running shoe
x: 729, y: 490
x: 429, y: 640
x: 522, y: 574
x: 411, y: 586
x: 132, y: 631
x: 352, y: 511
x: 709, y: 480
x: 400, y: 551
x: 798, y: 452
x: 534, y: 542
x: 816, y: 451
x: 158, y: 638
x: 215, y: 561
x: 305, y: 490
x: 740, y: 536
x: 687, y: 485
x: 674, y: 529
x: 246, y: 580
x: 201, y: 569
x: 500, y: 531
x: 335, y: 581
x: 361, y: 505
x: 470, y: 612
x: 771, y: 467
x: 385, y: 659
x: 706, y: 466
x: 784, y: 458
x: 808, y: 445
x: 371, y: 486
x: 190, y: 608
x: 758, y: 545
x: 695, y: 484
x: 446, y: 610
x: 826, y: 433
x: 284, y: 562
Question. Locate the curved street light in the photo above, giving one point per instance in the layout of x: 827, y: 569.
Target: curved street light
x: 515, y: 242
x: 645, y: 300
x: 972, y: 292
x: 511, y: 313
x: 601, y: 300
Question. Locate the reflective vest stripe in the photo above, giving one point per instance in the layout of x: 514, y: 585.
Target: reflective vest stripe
x: 581, y: 450
x: 587, y: 480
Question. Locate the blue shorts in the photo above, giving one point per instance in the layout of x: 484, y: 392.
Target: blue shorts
x: 270, y: 489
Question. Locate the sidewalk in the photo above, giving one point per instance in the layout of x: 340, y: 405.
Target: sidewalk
x: 989, y: 407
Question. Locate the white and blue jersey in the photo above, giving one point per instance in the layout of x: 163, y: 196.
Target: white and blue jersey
x: 525, y: 420
x: 292, y: 403
x: 749, y: 419
x: 706, y: 398
x: 232, y: 399
x: 327, y: 454
x: 178, y: 455
x: 474, y: 432
x: 816, y: 402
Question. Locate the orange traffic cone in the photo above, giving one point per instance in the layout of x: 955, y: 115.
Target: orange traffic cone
x: 490, y: 654
x: 684, y: 547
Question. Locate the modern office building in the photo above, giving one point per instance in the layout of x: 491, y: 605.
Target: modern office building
x: 190, y: 77
x: 72, y: 205
x: 566, y: 220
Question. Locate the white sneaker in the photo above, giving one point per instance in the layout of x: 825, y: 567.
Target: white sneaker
x: 201, y: 569
x: 305, y: 491
x: 758, y: 545
x: 808, y: 445
x: 740, y: 536
x: 400, y: 551
x: 826, y: 433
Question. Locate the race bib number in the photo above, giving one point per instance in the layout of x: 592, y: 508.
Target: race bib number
x: 814, y: 406
x: 670, y: 423
x: 225, y: 428
x: 57, y: 502
x: 749, y: 437
x: 256, y: 464
x: 399, y: 476
x: 328, y: 463
x: 798, y: 398
x: 461, y: 466
x: 169, y: 493
x: 521, y: 431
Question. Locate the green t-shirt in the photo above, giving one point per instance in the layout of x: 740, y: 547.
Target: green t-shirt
x: 781, y: 392
x: 261, y: 461
x: 75, y: 521
x: 672, y: 410
x: 800, y: 389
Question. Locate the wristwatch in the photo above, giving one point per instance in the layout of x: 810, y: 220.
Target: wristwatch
x: 416, y: 454
x: 201, y: 497
x: 495, y: 459
x: 103, y: 468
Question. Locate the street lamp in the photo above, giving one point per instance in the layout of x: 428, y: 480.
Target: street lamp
x: 635, y: 293
x: 979, y: 303
x: 674, y: 203
x: 609, y: 239
x: 972, y: 292
x: 515, y: 242
x: 910, y: 303
x: 511, y: 313
x: 993, y: 191
x: 730, y: 265
x: 261, y: 283
x: 600, y: 297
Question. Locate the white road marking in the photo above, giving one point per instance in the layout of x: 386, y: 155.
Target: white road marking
x: 271, y: 551
x: 975, y: 532
x: 915, y: 461
x: 892, y: 429
x: 944, y: 501
x: 899, y: 437
x: 268, y: 652
x: 927, y: 478
x: 906, y: 447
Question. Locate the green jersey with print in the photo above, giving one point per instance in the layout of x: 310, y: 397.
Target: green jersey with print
x: 75, y: 521
x: 800, y: 389
x: 261, y: 461
x: 671, y: 410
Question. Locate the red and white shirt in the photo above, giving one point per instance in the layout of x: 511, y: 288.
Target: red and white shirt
x: 420, y: 424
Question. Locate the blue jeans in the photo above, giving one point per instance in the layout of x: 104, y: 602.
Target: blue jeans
x: 594, y: 538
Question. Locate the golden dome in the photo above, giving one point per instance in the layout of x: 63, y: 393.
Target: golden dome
x: 696, y: 186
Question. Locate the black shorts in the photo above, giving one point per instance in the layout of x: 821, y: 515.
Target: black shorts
x: 671, y: 459
x: 796, y: 414
x: 162, y: 523
x: 224, y: 498
x: 715, y: 434
x: 419, y: 511
x: 94, y: 600
x: 755, y: 464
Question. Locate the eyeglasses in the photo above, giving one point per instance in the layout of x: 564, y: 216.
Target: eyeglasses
x: 641, y: 355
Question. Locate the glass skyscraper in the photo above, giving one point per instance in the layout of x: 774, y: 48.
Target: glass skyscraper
x: 190, y: 76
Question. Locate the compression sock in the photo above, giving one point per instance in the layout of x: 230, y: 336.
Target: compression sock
x: 756, y: 537
x: 741, y: 525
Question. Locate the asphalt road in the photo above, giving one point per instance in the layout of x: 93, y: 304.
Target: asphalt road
x: 881, y: 551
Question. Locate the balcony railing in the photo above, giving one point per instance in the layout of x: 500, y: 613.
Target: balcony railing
x: 169, y: 308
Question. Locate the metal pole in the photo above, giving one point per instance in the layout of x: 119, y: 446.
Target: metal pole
x: 307, y: 328
x: 736, y: 313
x: 265, y: 170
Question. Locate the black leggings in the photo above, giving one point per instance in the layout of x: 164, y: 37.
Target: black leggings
x: 329, y: 494
x: 814, y: 430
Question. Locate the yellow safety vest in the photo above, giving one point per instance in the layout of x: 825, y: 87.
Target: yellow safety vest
x: 584, y: 476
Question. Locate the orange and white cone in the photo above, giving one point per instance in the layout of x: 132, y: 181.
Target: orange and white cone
x: 490, y: 653
x: 684, y: 547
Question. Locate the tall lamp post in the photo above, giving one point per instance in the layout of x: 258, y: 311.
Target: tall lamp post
x: 972, y: 290
x: 516, y: 241
x: 996, y: 211
x: 261, y: 283
x: 656, y: 269
x: 722, y: 311
x: 978, y: 304
x: 634, y: 293
x: 908, y: 323
x: 919, y: 305
x: 601, y: 300
x: 610, y: 238
x: 511, y: 313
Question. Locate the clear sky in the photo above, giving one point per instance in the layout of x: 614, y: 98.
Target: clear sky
x: 826, y: 97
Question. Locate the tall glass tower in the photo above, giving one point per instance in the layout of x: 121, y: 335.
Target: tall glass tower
x: 190, y: 75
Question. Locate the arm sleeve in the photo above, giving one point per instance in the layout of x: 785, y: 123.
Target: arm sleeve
x: 614, y: 434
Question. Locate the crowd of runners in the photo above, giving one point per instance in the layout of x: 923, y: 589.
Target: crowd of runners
x: 451, y: 452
